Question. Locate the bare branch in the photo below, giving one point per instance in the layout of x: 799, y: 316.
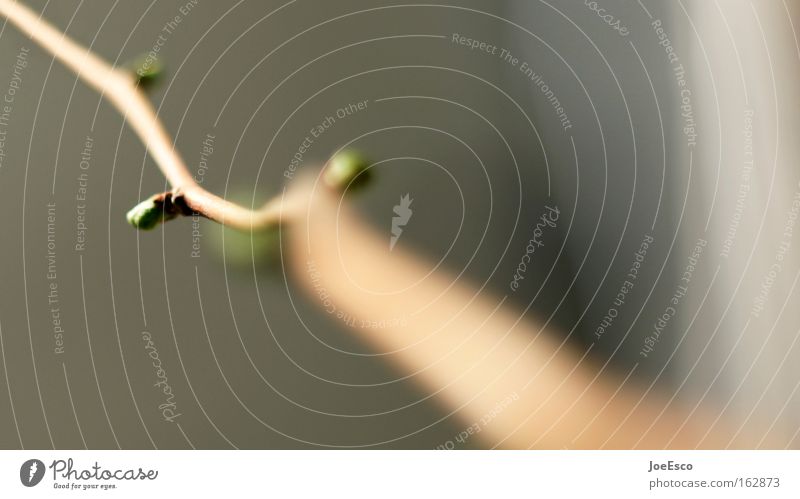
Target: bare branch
x: 121, y: 89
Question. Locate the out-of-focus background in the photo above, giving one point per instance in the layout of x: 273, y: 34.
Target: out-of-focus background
x: 669, y: 124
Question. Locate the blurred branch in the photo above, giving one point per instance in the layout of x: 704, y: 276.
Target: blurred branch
x: 512, y: 383
x: 121, y: 87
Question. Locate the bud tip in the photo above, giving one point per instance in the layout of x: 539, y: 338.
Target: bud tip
x: 145, y: 215
x: 347, y: 170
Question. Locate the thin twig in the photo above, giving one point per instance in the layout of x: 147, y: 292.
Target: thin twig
x: 121, y: 89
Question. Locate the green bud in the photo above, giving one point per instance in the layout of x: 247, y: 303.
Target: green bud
x: 146, y: 70
x: 347, y: 170
x: 244, y: 250
x: 146, y: 215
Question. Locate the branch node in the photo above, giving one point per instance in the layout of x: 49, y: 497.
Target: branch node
x: 157, y: 209
x: 145, y: 69
x: 348, y: 169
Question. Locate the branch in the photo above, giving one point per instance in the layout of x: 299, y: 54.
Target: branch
x: 502, y: 373
x: 122, y: 89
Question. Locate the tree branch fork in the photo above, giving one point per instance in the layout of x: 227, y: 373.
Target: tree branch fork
x: 125, y: 91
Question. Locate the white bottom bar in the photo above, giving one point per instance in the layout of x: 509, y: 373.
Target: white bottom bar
x: 354, y: 474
